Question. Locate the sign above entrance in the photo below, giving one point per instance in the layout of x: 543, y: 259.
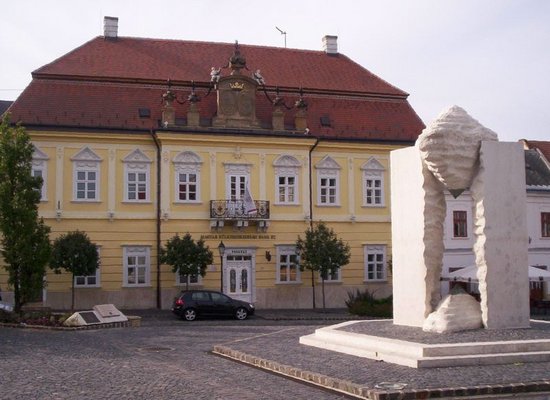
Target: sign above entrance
x: 237, y: 236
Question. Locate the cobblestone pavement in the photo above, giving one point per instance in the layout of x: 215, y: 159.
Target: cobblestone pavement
x: 165, y: 358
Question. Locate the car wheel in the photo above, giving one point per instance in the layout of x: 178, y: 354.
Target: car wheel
x: 241, y: 313
x: 190, y: 314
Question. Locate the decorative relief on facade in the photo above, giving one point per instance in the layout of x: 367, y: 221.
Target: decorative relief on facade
x: 137, y: 160
x: 327, y: 163
x: 237, y: 153
x: 39, y: 158
x: 236, y: 169
x: 236, y: 102
x: 286, y: 164
x: 165, y: 156
x: 112, y: 154
x: 187, y: 161
x: 86, y: 158
x: 60, y: 151
x: 372, y: 168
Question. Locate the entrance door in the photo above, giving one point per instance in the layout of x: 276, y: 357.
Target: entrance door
x: 237, y: 277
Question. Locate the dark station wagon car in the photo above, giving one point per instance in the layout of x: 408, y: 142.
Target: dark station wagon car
x: 194, y: 303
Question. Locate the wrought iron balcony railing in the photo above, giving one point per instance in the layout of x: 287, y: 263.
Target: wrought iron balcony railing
x: 236, y: 209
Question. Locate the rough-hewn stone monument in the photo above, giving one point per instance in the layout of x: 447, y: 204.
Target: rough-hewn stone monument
x: 455, y: 153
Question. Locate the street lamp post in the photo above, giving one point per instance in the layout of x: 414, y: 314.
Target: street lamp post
x: 221, y: 249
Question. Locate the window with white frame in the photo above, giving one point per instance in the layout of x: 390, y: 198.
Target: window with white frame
x: 328, y: 182
x: 137, y: 266
x: 288, y: 270
x: 375, y: 263
x: 89, y: 280
x: 137, y: 171
x: 287, y: 169
x: 40, y: 169
x: 188, y: 279
x: 86, y: 175
x: 373, y: 183
x: 187, y: 166
x: 333, y: 276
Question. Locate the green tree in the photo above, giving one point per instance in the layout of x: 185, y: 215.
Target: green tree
x: 74, y: 253
x: 186, y: 256
x: 25, y: 241
x: 322, y: 251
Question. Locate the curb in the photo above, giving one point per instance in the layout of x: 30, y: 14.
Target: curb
x: 324, y: 381
x: 133, y: 322
x: 355, y: 390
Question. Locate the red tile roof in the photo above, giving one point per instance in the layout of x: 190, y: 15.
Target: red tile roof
x: 103, y: 83
x: 544, y: 147
x: 153, y: 59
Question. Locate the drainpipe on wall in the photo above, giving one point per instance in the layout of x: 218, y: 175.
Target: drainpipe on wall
x: 311, y: 209
x: 158, y: 220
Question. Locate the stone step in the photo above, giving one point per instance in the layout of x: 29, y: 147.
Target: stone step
x: 422, y: 355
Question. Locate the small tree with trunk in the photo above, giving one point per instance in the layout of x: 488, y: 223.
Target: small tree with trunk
x: 24, y: 236
x: 322, y: 251
x: 186, y: 256
x: 74, y: 253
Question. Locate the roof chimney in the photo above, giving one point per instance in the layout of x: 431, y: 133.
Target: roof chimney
x: 330, y: 44
x: 110, y: 27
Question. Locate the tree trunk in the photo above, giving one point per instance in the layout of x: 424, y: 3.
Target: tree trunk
x: 17, y: 293
x: 313, y: 286
x: 72, y: 294
x: 323, y: 287
x: 186, y: 282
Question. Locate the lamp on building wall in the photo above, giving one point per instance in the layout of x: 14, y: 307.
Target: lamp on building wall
x: 221, y: 250
x: 268, y: 255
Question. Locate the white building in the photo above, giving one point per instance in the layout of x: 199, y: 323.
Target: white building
x: 459, y: 236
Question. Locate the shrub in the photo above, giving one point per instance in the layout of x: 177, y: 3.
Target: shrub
x: 364, y: 303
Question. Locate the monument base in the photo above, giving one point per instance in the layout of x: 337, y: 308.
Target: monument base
x: 403, y: 345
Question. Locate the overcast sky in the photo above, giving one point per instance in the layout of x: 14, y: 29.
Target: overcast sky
x: 490, y: 57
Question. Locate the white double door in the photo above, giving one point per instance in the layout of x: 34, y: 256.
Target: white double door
x: 237, y: 277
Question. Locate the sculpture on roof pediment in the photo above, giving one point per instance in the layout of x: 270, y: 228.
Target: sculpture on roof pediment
x: 257, y: 76
x: 215, y: 75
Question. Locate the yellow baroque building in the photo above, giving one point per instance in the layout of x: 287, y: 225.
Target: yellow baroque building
x: 243, y: 145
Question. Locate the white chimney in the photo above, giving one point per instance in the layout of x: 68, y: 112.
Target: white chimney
x: 330, y: 44
x: 110, y: 27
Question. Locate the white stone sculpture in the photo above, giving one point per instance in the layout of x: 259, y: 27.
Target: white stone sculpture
x: 456, y: 312
x: 454, y: 153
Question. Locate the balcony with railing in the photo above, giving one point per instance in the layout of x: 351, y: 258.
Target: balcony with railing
x: 232, y: 210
